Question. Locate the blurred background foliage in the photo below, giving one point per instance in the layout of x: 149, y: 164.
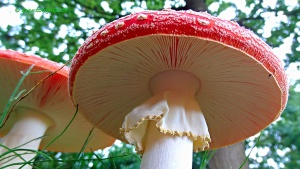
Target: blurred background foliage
x: 57, y: 36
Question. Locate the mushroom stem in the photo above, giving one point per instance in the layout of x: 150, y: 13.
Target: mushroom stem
x: 173, y: 111
x: 165, y: 151
x: 29, y: 126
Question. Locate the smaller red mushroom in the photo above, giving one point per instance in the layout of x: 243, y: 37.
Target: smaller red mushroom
x: 44, y: 112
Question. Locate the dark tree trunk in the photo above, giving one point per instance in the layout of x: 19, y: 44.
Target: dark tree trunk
x: 195, y: 5
x: 230, y: 157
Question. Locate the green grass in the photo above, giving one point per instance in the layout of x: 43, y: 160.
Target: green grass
x: 207, y: 156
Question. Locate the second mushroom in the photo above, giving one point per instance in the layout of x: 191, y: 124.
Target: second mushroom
x: 177, y: 82
x: 42, y: 115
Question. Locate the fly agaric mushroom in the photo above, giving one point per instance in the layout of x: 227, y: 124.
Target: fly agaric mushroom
x: 177, y: 81
x: 45, y: 111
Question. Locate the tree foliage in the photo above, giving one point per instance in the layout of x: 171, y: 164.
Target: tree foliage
x: 57, y: 36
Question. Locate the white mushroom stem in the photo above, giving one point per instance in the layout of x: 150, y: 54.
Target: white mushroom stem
x: 29, y: 126
x: 165, y: 151
x: 174, y: 112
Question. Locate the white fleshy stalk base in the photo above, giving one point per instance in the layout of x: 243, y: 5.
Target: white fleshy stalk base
x: 175, y: 113
x: 165, y: 151
x: 29, y: 126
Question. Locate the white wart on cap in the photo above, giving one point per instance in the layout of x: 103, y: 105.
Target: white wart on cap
x: 177, y: 71
x: 44, y: 112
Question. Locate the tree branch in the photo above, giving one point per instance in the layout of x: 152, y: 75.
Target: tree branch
x: 95, y: 9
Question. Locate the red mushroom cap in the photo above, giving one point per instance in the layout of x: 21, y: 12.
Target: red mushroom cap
x: 243, y: 84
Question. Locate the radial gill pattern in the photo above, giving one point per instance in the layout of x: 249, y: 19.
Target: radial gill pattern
x: 237, y: 96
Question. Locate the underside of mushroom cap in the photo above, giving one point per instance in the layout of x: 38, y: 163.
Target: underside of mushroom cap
x: 50, y: 100
x: 243, y: 84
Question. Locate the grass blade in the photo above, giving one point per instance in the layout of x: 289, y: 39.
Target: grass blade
x: 5, y: 113
x: 244, y: 162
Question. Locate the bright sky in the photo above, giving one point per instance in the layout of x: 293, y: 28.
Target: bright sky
x: 272, y: 20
